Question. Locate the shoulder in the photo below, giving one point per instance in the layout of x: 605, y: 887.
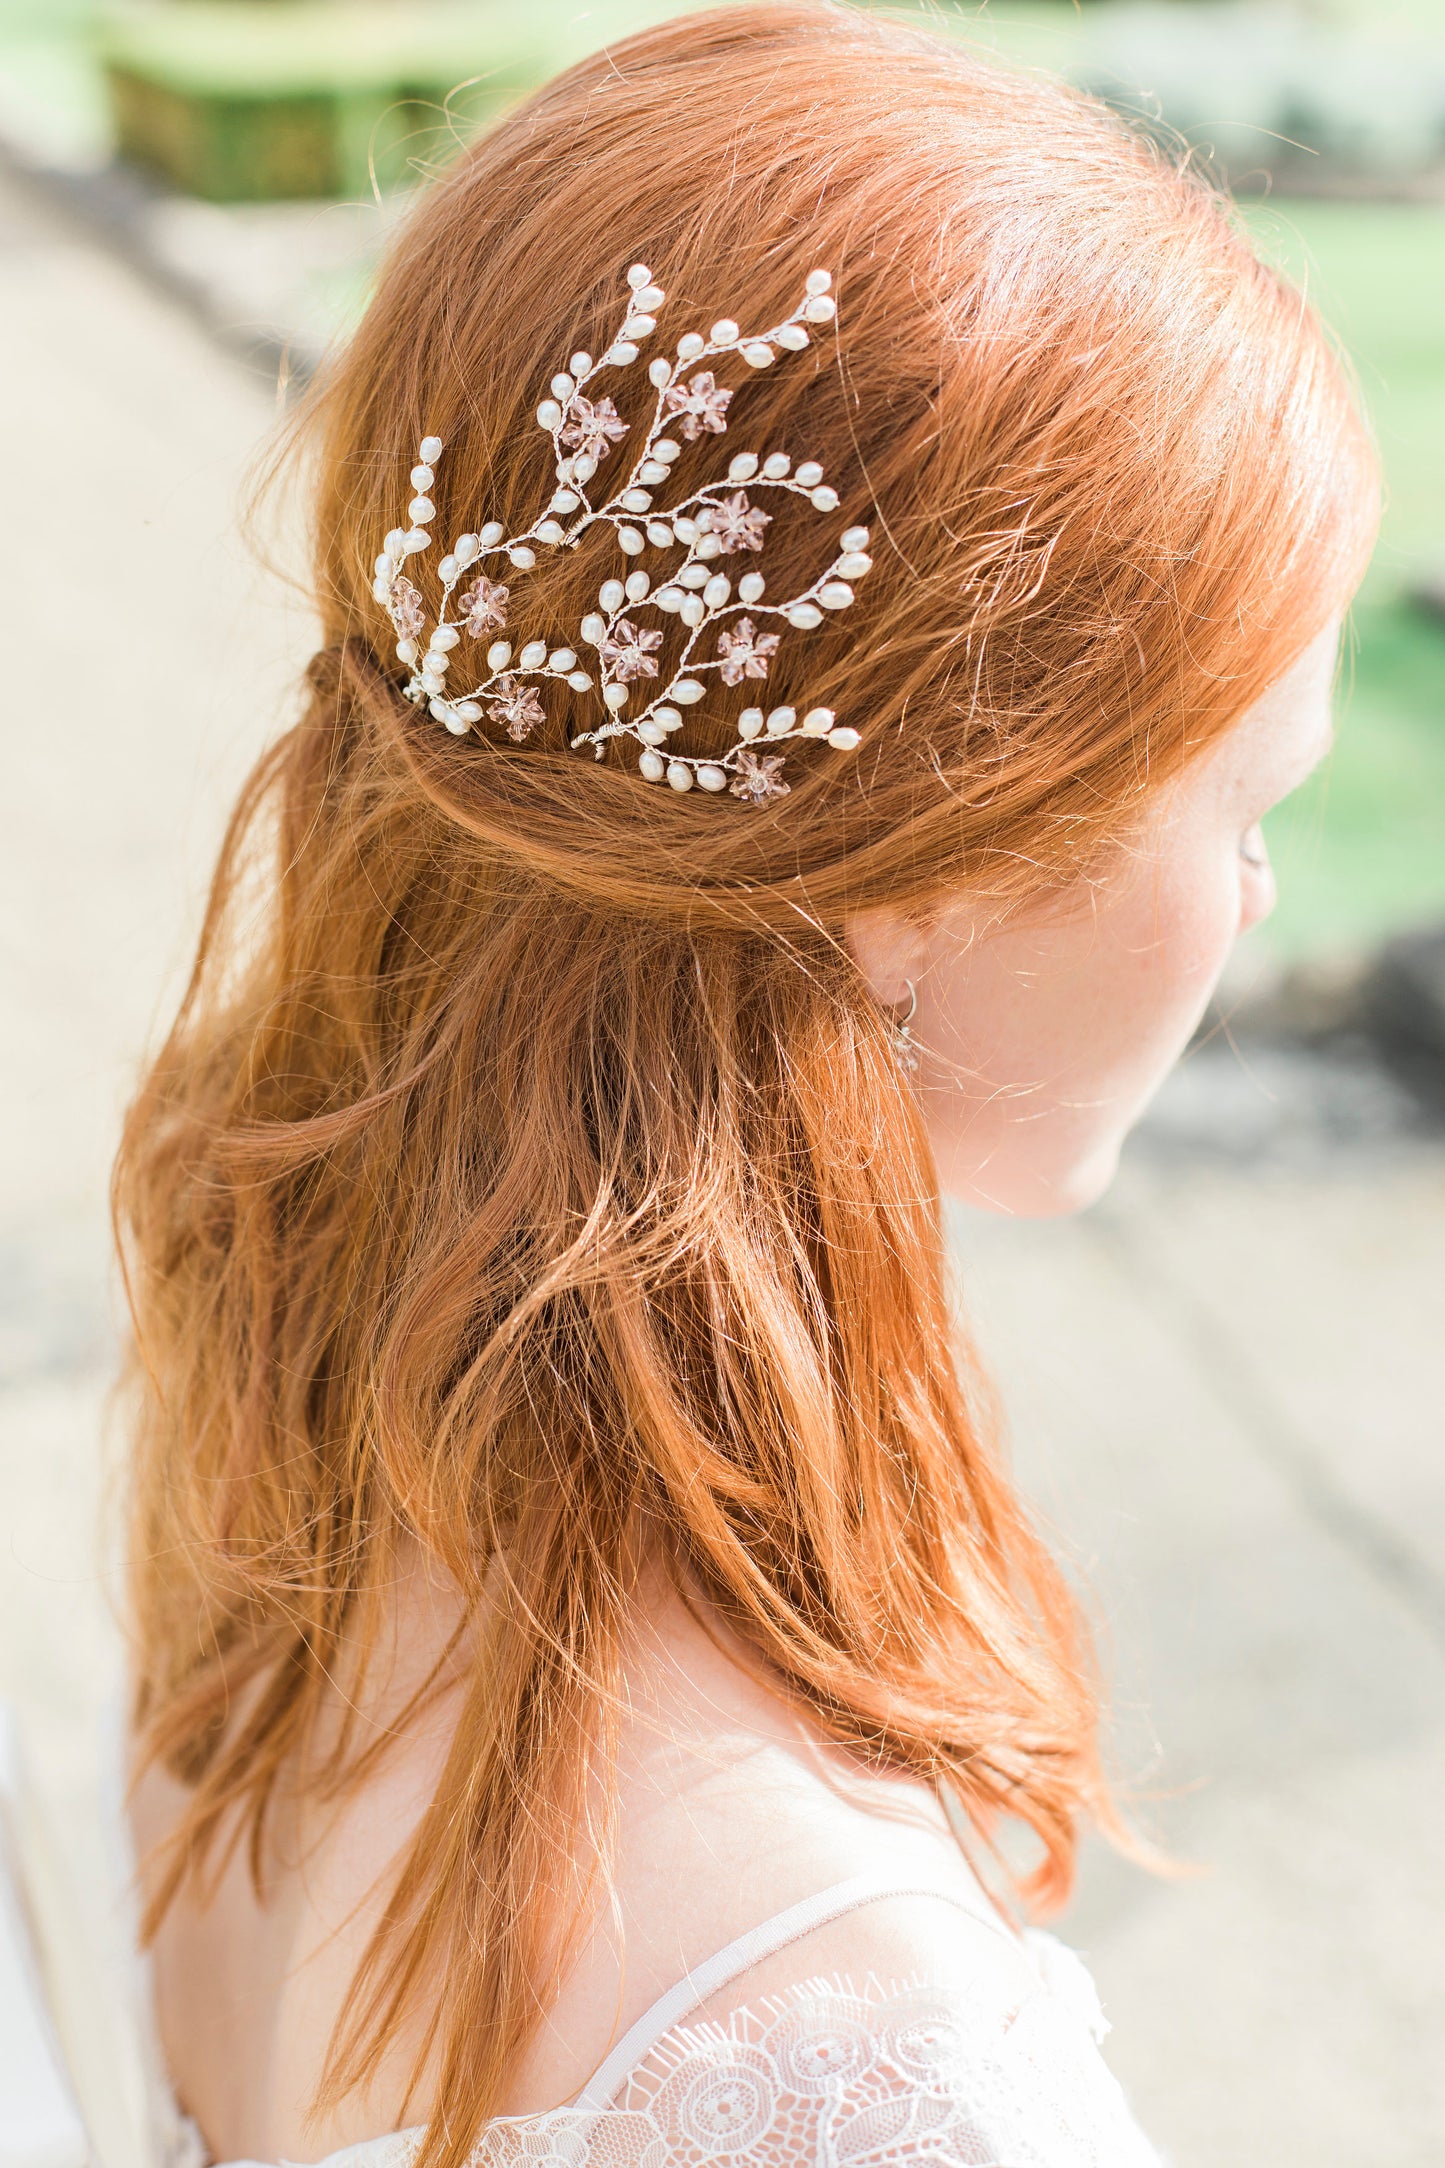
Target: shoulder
x: 835, y: 2069
x: 983, y: 2047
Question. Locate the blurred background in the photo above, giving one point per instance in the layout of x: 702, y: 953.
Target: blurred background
x: 1225, y: 1381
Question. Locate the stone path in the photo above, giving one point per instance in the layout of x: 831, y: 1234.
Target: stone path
x: 1225, y: 1388
x: 1225, y: 1383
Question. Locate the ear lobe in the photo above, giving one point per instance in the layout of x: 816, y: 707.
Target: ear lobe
x: 890, y: 948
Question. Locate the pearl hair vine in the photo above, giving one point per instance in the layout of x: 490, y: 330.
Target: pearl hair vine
x: 715, y: 521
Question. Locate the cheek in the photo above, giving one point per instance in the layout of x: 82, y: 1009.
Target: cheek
x: 1052, y: 1038
x: 1095, y: 988
x: 1175, y: 929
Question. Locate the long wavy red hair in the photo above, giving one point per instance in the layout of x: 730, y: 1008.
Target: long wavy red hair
x: 529, y: 1174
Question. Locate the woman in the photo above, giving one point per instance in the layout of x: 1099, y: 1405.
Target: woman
x: 569, y: 1541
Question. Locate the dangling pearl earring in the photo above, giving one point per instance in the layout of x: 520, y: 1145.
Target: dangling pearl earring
x: 905, y: 1046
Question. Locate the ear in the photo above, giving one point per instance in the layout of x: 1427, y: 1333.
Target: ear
x: 890, y: 948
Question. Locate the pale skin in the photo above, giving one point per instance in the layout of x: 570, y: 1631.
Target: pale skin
x: 1042, y: 1041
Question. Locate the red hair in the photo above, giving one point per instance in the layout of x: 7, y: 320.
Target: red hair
x: 534, y: 1178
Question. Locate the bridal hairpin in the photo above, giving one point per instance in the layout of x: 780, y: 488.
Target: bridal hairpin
x: 724, y: 621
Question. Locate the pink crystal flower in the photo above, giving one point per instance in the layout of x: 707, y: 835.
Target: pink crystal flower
x: 700, y: 405
x: 629, y: 652
x: 405, y: 607
x: 745, y: 651
x: 485, y: 604
x: 739, y: 525
x: 516, y: 707
x: 594, y: 429
x: 759, y: 778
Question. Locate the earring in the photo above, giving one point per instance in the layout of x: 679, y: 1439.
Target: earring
x: 905, y: 1046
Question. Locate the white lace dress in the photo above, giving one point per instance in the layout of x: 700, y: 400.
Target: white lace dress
x: 832, y: 2073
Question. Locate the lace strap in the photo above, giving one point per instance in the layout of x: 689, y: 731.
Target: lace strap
x: 750, y: 1949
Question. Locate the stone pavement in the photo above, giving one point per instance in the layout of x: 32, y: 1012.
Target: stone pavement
x: 1224, y: 1383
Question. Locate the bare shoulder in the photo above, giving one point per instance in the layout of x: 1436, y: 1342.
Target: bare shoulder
x: 915, y: 2030
x: 732, y: 1809
x: 800, y: 1967
x: 956, y: 1942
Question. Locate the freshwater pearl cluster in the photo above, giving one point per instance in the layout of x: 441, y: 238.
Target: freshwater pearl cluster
x: 719, y: 520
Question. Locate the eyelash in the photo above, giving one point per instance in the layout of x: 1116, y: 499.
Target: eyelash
x: 1258, y: 859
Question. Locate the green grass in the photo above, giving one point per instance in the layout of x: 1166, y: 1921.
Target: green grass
x: 1376, y: 272
x: 1361, y: 851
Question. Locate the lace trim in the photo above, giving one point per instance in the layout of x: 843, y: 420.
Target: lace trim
x: 829, y: 2075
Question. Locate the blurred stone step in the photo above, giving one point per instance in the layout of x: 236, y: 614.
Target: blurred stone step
x: 1406, y: 999
x: 1428, y: 597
